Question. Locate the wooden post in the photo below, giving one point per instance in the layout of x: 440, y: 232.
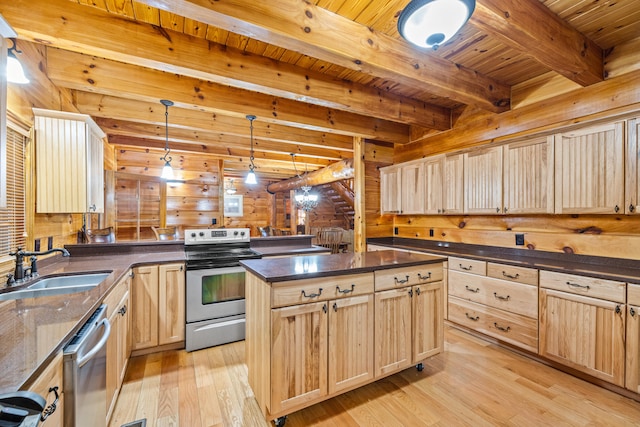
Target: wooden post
x: 220, y: 215
x: 293, y: 213
x: 359, y: 231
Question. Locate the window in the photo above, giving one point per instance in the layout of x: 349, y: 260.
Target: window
x: 12, y: 217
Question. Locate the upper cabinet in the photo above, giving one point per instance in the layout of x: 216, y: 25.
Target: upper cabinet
x: 433, y: 187
x: 412, y: 188
x: 528, y: 176
x: 69, y: 163
x: 589, y: 175
x: 632, y: 177
x: 453, y: 184
x: 483, y: 181
x: 390, y: 190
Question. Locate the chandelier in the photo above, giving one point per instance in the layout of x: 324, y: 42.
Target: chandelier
x: 306, y: 201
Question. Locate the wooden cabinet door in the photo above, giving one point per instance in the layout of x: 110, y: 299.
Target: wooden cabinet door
x: 632, y: 381
x: 392, y: 331
x: 144, y: 314
x: 584, y: 333
x: 483, y: 181
x: 528, y: 176
x: 412, y: 177
x: 433, y: 173
x: 632, y: 171
x: 390, y: 190
x: 453, y: 184
x: 428, y: 320
x: 590, y: 170
x: 95, y: 171
x: 171, y: 301
x: 298, y: 355
x: 350, y: 342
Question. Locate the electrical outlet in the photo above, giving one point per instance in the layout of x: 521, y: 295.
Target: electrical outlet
x: 36, y: 245
x: 520, y: 239
x: 214, y: 221
x: 50, y: 243
x: 395, y: 230
x: 431, y: 232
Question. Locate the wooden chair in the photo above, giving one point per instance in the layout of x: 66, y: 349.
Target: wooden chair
x: 330, y: 238
x: 101, y: 235
x: 166, y: 233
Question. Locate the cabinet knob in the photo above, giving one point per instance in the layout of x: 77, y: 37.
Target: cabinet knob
x: 617, y: 209
x: 497, y: 210
x: 92, y: 208
x: 632, y: 208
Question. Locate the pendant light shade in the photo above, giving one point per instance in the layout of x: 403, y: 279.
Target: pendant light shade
x: 430, y: 23
x: 251, y: 176
x: 167, y: 170
x: 15, y: 72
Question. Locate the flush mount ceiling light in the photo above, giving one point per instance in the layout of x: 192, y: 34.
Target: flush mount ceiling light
x: 251, y: 176
x: 430, y: 23
x: 15, y: 72
x: 306, y: 201
x: 167, y: 171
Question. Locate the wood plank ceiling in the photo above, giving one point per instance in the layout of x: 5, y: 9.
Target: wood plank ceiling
x: 315, y: 73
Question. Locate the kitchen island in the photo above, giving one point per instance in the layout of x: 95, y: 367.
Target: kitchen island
x: 319, y: 326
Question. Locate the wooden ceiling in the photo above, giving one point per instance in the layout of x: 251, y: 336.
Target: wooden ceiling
x: 316, y: 73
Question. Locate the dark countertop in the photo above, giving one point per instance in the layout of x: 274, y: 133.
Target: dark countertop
x: 33, y: 330
x: 626, y: 270
x: 306, y: 267
x: 299, y: 244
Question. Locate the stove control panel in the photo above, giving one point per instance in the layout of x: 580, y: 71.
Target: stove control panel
x: 203, y: 236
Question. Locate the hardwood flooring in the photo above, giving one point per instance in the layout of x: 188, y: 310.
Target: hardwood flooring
x: 473, y: 383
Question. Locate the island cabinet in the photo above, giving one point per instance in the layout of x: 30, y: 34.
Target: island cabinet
x: 312, y: 338
x: 495, y: 299
x: 158, y: 303
x: 632, y: 381
x: 119, y: 343
x: 582, y: 324
x: 49, y: 384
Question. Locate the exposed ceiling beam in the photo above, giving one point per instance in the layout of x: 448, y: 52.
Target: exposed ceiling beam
x: 530, y: 27
x: 79, y: 28
x: 303, y: 27
x: 105, y: 106
x: 334, y: 172
x: 92, y: 74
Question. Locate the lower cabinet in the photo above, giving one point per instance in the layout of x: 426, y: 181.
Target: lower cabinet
x: 119, y: 343
x: 158, y: 294
x: 49, y: 385
x: 632, y: 380
x: 580, y: 330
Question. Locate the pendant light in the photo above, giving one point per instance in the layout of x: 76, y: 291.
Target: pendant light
x: 167, y: 171
x: 430, y: 23
x: 307, y: 201
x: 251, y: 176
x: 15, y: 72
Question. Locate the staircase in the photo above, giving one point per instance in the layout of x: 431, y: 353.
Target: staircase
x: 340, y: 194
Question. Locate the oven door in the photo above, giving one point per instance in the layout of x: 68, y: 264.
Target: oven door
x: 214, y: 293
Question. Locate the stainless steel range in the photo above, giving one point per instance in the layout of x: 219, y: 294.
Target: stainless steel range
x: 215, y: 285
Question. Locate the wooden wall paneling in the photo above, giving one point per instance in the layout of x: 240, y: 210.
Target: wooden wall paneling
x: 218, y: 214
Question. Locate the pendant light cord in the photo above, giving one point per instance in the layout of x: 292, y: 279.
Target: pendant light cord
x: 167, y: 150
x: 251, y: 118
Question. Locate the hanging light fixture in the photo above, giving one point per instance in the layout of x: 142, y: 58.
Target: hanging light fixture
x: 306, y: 201
x: 251, y: 176
x: 15, y: 72
x: 430, y: 23
x: 167, y: 171
x: 230, y: 188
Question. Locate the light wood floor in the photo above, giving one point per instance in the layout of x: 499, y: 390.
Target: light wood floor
x: 473, y: 383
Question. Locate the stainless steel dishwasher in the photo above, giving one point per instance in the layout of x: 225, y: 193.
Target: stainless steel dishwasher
x: 85, y: 357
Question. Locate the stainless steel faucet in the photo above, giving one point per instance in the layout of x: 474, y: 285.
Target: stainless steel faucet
x: 20, y: 272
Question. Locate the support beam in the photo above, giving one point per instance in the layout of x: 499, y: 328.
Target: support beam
x: 301, y: 26
x: 359, y: 217
x: 335, y: 172
x: 530, y: 27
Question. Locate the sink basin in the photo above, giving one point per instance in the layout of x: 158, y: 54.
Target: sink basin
x: 58, y: 285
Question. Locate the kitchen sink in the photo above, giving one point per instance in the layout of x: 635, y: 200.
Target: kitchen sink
x: 57, y: 285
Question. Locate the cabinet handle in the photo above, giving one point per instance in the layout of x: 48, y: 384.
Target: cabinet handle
x: 618, y: 310
x: 346, y: 291
x: 51, y: 408
x: 475, y: 319
x: 92, y: 207
x: 181, y: 267
x: 417, y: 291
x: 497, y: 210
x: 123, y: 310
x: 439, y: 210
x: 466, y: 268
x: 616, y: 209
x: 632, y: 312
x: 427, y: 277
x: 510, y: 276
x: 335, y: 307
x: 632, y: 208
x: 500, y: 297
x: 324, y: 308
x: 475, y: 291
x: 411, y: 293
x: 401, y: 281
x: 304, y: 294
x: 506, y: 209
x: 502, y: 328
x: 578, y: 285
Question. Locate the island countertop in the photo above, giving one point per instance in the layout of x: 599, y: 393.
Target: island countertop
x: 305, y: 267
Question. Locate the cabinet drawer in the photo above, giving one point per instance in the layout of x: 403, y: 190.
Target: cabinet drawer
x: 468, y: 265
x: 589, y: 286
x: 518, y: 330
x: 320, y: 289
x: 508, y: 296
x: 112, y: 300
x: 528, y: 276
x: 407, y: 276
x: 633, y: 294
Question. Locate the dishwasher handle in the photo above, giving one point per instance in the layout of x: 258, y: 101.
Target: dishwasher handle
x: 107, y: 331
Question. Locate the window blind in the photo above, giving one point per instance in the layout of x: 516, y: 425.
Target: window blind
x: 12, y: 218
